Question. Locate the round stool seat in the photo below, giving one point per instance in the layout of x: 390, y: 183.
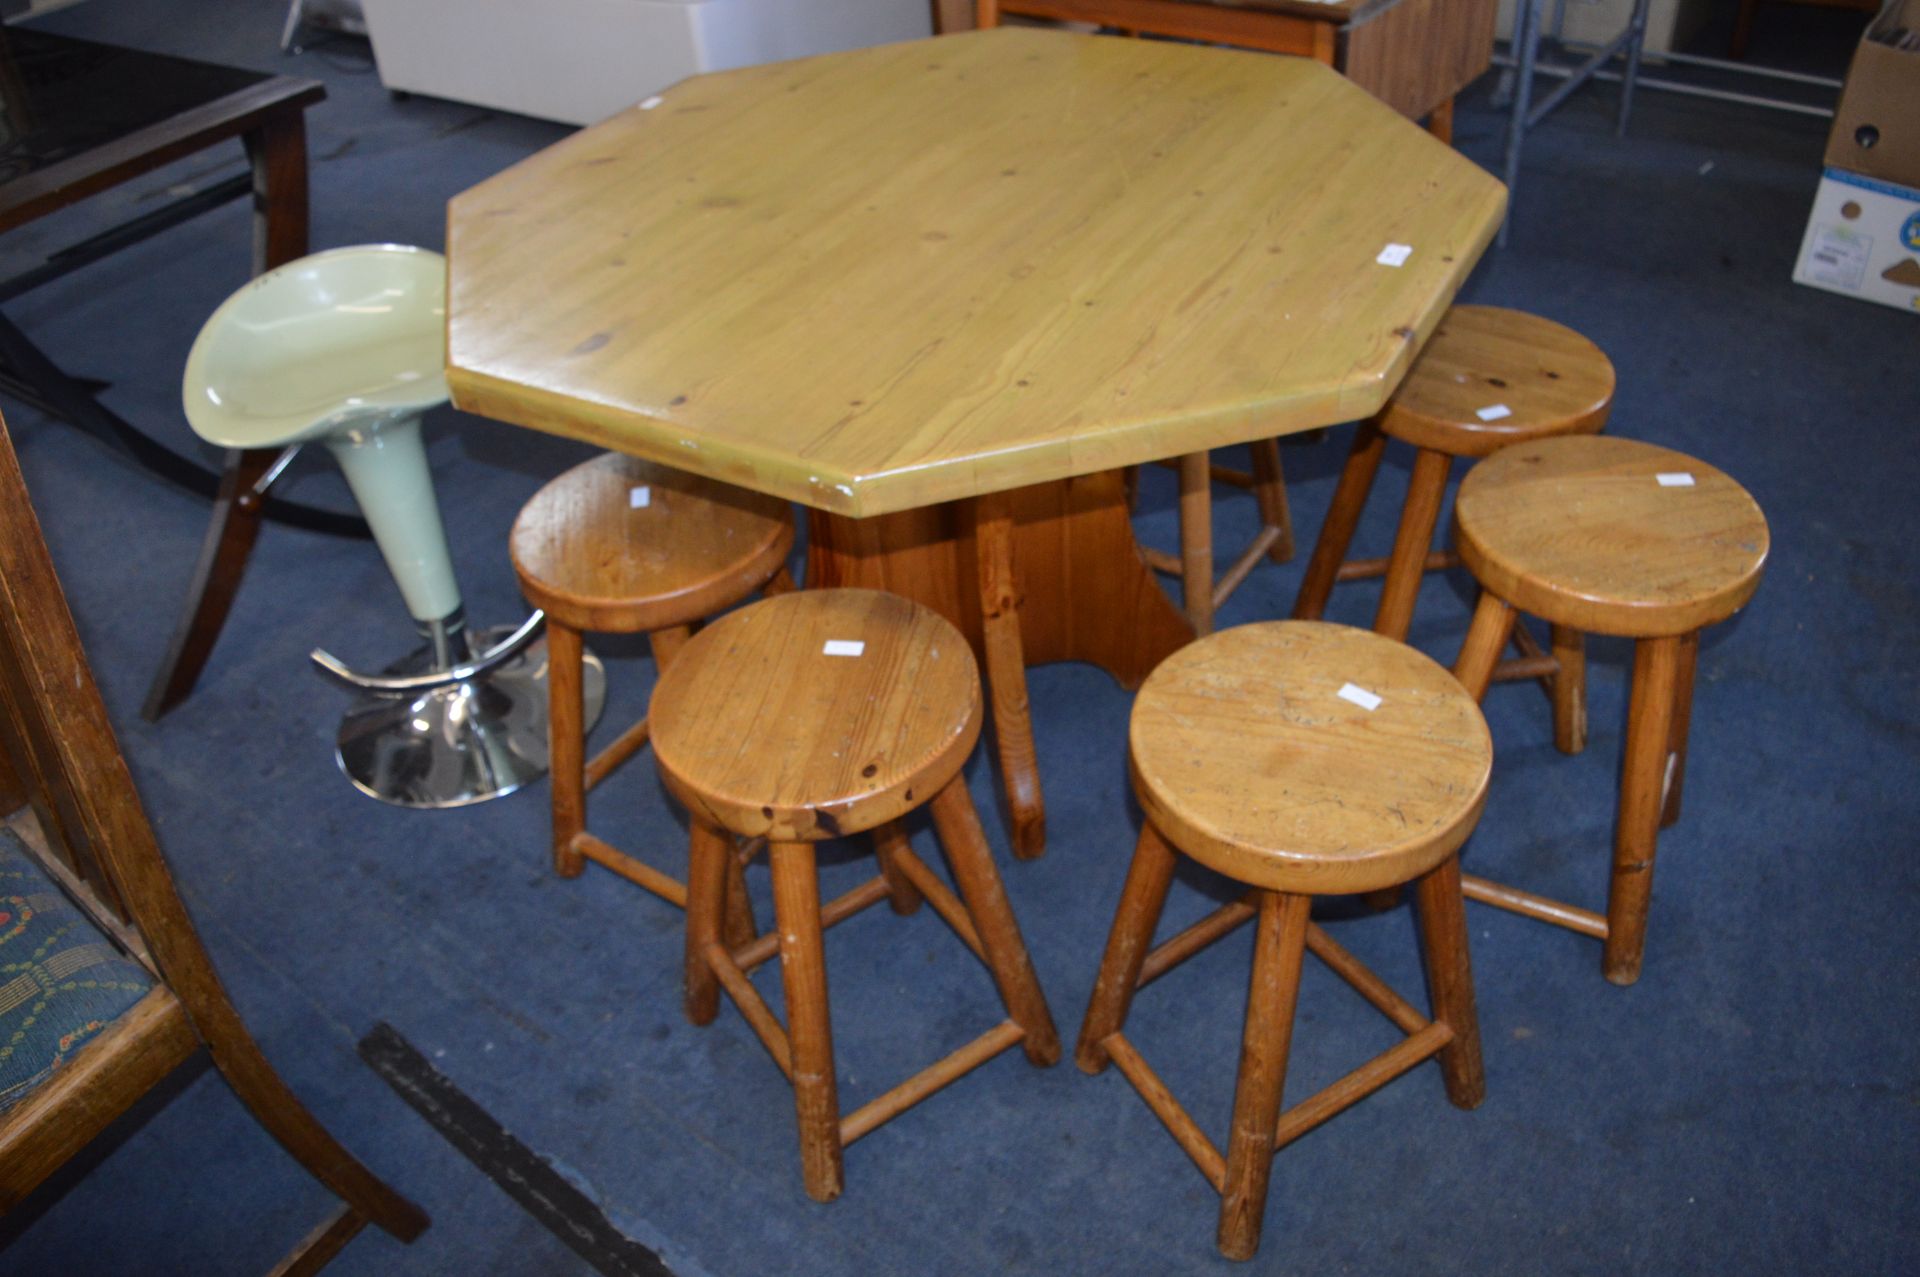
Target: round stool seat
x: 816, y: 714
x: 1490, y: 377
x: 1247, y: 756
x: 1611, y: 536
x: 622, y: 545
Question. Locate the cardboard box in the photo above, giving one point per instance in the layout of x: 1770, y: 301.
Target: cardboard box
x: 1863, y: 240
x: 1876, y: 127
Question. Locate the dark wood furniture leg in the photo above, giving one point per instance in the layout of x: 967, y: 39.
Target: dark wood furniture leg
x: 277, y: 150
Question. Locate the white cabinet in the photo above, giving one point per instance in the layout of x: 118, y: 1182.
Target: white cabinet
x: 581, y: 60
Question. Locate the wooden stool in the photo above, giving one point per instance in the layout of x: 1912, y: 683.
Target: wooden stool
x: 813, y: 716
x: 1200, y: 594
x: 1611, y: 536
x: 618, y: 545
x: 1488, y: 378
x: 1262, y: 753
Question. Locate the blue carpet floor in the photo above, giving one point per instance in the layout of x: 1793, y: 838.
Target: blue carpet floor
x: 1752, y: 1105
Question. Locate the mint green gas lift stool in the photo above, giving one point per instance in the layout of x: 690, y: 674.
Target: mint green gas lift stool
x: 346, y: 348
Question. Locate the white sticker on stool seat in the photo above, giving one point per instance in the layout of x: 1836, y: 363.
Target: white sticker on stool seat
x: 1395, y: 255
x: 1493, y: 412
x: 640, y: 498
x: 652, y: 102
x: 1359, y: 696
x: 843, y: 647
x: 1675, y: 479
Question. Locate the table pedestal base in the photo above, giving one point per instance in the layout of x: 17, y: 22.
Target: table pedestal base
x: 1045, y: 573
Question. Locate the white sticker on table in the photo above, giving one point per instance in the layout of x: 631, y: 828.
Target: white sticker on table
x: 1395, y: 255
x: 1493, y: 412
x: 640, y: 498
x: 652, y: 102
x: 1359, y: 696
x: 843, y: 647
x: 1675, y: 479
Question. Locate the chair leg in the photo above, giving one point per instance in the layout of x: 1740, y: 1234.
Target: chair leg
x: 566, y: 746
x: 1410, y: 544
x: 803, y: 974
x: 986, y: 899
x: 1196, y: 541
x: 1443, y: 937
x: 1264, y: 1044
x: 889, y: 840
x: 1141, y: 901
x: 707, y: 858
x: 1569, y: 689
x: 232, y: 529
x: 1270, y: 490
x: 1656, y: 668
x: 1486, y: 639
x: 1343, y: 516
x: 1682, y: 723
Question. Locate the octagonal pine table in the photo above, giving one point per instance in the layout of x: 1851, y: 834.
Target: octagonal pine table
x: 940, y: 292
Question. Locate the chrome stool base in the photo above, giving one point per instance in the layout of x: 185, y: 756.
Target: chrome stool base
x: 458, y: 741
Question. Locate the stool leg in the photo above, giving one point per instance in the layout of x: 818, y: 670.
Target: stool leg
x: 1569, y: 690
x: 1196, y: 541
x: 1270, y: 490
x: 737, y: 922
x: 803, y: 974
x: 986, y: 898
x: 1486, y: 639
x: 566, y: 746
x: 1443, y: 937
x: 707, y: 857
x: 1682, y: 722
x: 1141, y: 901
x: 1264, y: 1043
x: 781, y: 582
x: 1656, y: 668
x: 1410, y: 544
x: 666, y: 644
x: 888, y: 841
x: 1343, y: 516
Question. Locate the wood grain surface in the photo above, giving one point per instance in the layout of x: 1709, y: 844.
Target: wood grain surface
x: 1581, y: 531
x: 804, y: 279
x: 758, y: 730
x: 1549, y: 378
x: 1249, y: 760
x: 618, y: 543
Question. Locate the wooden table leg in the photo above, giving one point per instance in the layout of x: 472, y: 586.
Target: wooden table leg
x: 1007, y: 673
x: 1078, y: 590
x: 277, y: 151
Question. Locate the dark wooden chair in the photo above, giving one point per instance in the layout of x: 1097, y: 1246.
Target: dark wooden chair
x: 87, y: 839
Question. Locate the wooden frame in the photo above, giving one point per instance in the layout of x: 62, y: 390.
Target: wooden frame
x: 61, y: 758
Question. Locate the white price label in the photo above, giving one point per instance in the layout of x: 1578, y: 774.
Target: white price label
x: 843, y: 647
x: 1359, y: 696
